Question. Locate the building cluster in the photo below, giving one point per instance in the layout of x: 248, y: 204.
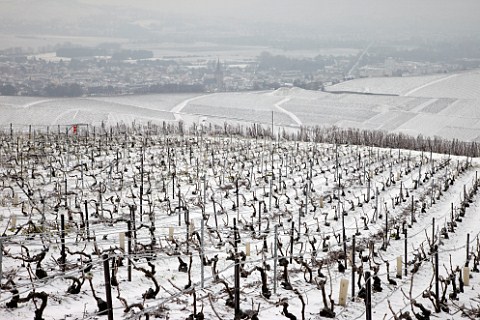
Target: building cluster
x: 25, y: 75
x: 395, y: 68
x: 35, y: 76
x: 100, y: 76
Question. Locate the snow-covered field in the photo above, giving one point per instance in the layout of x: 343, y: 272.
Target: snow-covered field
x: 447, y: 106
x: 464, y: 85
x: 391, y: 85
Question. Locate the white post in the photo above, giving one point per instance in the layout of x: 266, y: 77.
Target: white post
x: 399, y: 266
x: 466, y: 276
x: 342, y: 297
x: 192, y: 226
x: 15, y: 200
x: 13, y: 220
x: 121, y: 238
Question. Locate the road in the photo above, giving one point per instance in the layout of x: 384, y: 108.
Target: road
x: 355, y: 66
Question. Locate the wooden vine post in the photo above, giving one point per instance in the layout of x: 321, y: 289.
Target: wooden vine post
x: 1, y: 260
x: 237, y: 194
x: 129, y: 251
x: 237, y: 270
x: 259, y: 217
x: 108, y: 287
x: 275, y: 258
x: 368, y: 186
x: 406, y: 253
x: 62, y: 239
x: 413, y: 210
x: 368, y: 299
x: 291, y: 242
x: 202, y: 234
x: 187, y: 227
x: 87, y: 227
x: 66, y: 194
x: 141, y: 183
x: 353, y: 268
x: 385, y: 244
x: 467, y: 259
x: 344, y: 234
x: 437, y: 284
x: 270, y: 194
x: 308, y: 186
x: 433, y: 232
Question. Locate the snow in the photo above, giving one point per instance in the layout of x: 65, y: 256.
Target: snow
x: 464, y: 85
x: 449, y: 102
x: 379, y: 162
x: 389, y: 85
x: 222, y: 159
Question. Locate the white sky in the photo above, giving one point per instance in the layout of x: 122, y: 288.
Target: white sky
x: 308, y: 10
x: 347, y: 14
x: 414, y: 15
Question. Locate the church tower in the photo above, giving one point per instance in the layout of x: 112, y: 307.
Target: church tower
x: 219, y: 76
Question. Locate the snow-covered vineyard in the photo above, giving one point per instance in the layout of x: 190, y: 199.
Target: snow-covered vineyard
x: 445, y: 106
x: 205, y: 223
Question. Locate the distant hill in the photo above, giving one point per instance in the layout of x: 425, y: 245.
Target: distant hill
x: 459, y: 85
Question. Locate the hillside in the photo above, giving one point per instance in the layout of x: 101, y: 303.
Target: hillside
x: 183, y: 221
x: 161, y: 216
x: 443, y: 105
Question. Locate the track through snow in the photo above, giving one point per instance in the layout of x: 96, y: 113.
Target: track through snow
x: 35, y: 103
x: 176, y: 110
x: 411, y: 92
x: 290, y: 114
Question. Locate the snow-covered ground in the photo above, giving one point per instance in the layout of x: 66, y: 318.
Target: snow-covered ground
x: 103, y: 174
x: 385, y: 85
x: 441, y: 105
x: 458, y: 85
x: 279, y: 183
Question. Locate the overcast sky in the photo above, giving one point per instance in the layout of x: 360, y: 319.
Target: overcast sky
x: 368, y: 15
x: 361, y: 16
x: 311, y: 11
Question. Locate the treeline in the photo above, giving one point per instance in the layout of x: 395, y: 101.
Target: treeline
x: 8, y: 90
x: 445, y: 51
x: 268, y: 61
x: 64, y: 90
x: 383, y: 139
x: 147, y: 89
x: 175, y: 88
x: 77, y: 90
x: 353, y: 136
x: 132, y: 55
x: 79, y: 52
